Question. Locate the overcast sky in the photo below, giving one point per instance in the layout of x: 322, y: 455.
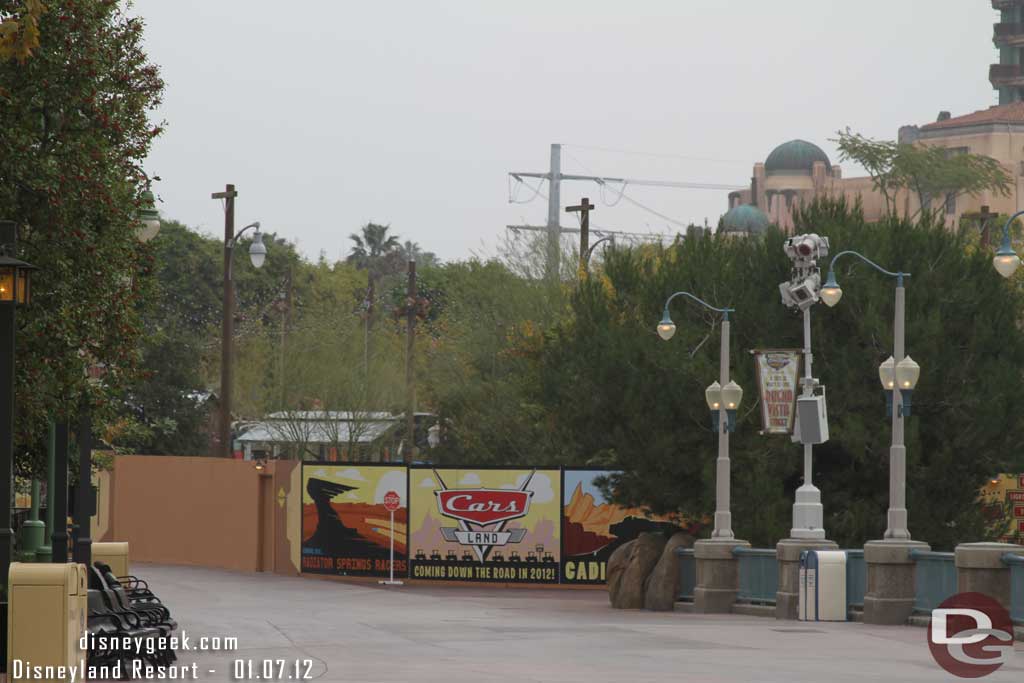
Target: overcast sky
x: 329, y: 114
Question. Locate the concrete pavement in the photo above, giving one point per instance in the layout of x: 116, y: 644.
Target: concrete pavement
x: 371, y: 634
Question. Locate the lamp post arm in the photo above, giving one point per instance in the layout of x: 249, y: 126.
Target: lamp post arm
x: 899, y: 275
x: 724, y: 311
x: 230, y: 244
x: 1006, y: 229
x: 610, y: 238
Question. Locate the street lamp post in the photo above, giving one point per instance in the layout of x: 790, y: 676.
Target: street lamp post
x: 257, y: 253
x: 14, y: 290
x: 889, y: 594
x: 717, y: 566
x: 899, y: 375
x: 723, y: 398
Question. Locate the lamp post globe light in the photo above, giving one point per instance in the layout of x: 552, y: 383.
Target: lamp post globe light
x: 1006, y: 260
x: 723, y: 398
x: 149, y: 219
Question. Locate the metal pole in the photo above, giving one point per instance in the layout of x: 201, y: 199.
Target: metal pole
x: 410, y: 374
x: 584, y: 236
x: 392, y: 579
x: 723, y: 516
x: 228, y: 322
x: 808, y: 514
x: 554, y: 227
x: 897, y: 515
x: 808, y: 391
x: 59, y: 498
x: 45, y: 551
x: 6, y: 437
x: 84, y: 501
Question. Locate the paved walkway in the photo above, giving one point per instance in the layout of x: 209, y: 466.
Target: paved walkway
x: 413, y: 634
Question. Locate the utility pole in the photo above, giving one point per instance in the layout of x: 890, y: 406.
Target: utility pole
x: 583, y: 208
x: 554, y: 176
x: 410, y: 376
x: 984, y: 216
x: 554, y: 226
x: 228, y: 323
x: 286, y: 321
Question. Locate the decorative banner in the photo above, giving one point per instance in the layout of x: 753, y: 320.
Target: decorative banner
x: 498, y: 526
x: 1002, y: 503
x: 778, y: 374
x: 346, y: 527
x: 593, y: 527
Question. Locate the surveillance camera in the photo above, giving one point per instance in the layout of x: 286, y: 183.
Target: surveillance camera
x: 805, y: 250
x: 802, y: 292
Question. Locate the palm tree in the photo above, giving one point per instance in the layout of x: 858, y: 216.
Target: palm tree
x: 372, y: 251
x: 411, y: 251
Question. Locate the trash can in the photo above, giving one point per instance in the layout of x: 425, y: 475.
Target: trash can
x: 46, y: 615
x: 822, y: 586
x: 113, y: 553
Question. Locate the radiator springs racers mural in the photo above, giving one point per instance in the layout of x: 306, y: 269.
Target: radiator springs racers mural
x: 346, y: 527
x: 485, y: 525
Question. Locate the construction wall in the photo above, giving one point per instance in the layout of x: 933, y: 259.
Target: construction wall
x: 209, y: 512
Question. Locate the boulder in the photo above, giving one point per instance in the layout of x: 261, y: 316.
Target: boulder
x: 640, y: 559
x: 616, y: 566
x: 662, y: 585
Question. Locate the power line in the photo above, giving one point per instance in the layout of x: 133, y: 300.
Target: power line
x: 663, y: 155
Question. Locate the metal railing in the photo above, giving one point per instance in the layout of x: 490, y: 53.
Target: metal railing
x: 687, y: 573
x: 1016, y: 564
x: 856, y: 578
x: 759, y: 575
x: 934, y: 578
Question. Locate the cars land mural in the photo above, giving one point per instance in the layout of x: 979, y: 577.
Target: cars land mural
x: 499, y: 526
x: 346, y: 529
x: 593, y: 527
x: 1002, y: 500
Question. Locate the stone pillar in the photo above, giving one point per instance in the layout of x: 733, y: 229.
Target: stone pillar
x: 718, y: 575
x: 980, y: 569
x: 889, y: 595
x: 787, y: 551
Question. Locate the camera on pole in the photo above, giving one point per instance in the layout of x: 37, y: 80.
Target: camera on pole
x: 803, y: 288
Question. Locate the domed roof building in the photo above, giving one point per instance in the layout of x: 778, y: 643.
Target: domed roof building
x: 794, y: 173
x: 744, y: 219
x: 795, y: 157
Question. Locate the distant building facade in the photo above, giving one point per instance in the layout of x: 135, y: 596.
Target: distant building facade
x: 1008, y: 36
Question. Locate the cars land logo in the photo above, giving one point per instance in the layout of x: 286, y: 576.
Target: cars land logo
x: 970, y: 635
x: 482, y: 514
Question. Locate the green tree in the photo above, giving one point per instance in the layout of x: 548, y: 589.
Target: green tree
x: 76, y: 130
x: 613, y: 393
x: 929, y: 171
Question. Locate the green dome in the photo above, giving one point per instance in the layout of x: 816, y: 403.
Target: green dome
x: 745, y: 218
x: 794, y: 157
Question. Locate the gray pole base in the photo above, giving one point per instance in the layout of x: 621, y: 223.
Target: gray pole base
x: 718, y: 575
x: 787, y: 552
x: 889, y: 594
x: 980, y: 569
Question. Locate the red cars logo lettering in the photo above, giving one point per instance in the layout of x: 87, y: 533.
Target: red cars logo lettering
x: 483, y: 506
x: 482, y: 515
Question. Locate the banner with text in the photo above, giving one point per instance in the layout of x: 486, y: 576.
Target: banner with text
x: 593, y: 527
x: 491, y: 525
x: 778, y: 374
x: 346, y: 528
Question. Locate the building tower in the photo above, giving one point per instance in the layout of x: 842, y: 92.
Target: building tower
x: 1006, y: 76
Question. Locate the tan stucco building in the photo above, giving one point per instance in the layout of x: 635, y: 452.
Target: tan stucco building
x: 798, y: 171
